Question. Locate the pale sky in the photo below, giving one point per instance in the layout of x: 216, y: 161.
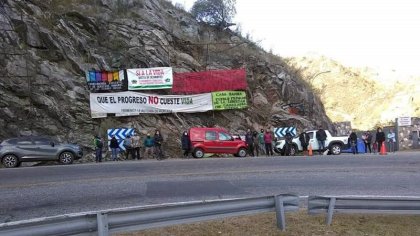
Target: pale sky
x: 380, y: 34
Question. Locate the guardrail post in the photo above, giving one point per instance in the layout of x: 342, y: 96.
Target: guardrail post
x: 281, y: 221
x: 330, y: 210
x: 102, y: 221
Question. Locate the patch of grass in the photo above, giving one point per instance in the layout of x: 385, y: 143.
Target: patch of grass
x: 296, y: 224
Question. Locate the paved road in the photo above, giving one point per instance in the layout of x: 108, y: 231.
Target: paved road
x: 51, y: 190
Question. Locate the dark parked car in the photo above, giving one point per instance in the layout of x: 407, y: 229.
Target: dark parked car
x: 31, y: 148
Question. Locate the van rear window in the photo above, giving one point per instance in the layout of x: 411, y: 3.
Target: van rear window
x: 211, y: 135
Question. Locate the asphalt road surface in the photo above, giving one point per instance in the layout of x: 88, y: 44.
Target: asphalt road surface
x: 30, y: 192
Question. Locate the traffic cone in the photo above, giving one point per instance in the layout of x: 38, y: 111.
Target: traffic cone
x: 383, y: 149
x: 310, y: 150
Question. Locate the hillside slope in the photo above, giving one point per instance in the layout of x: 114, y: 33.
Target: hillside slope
x: 363, y: 96
x: 44, y: 90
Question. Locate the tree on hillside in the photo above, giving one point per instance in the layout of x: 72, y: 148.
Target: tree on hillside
x: 214, y: 12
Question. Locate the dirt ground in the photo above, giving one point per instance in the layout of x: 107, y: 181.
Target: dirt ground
x: 297, y: 224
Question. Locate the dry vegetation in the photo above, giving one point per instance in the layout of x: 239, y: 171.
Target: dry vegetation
x: 297, y: 224
x: 361, y: 96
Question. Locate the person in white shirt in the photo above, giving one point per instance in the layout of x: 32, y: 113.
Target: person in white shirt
x: 391, y: 141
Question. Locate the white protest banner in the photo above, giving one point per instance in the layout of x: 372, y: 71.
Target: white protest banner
x: 129, y: 103
x: 150, y: 78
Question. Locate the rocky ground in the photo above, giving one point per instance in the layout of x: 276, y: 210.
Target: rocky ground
x: 48, y: 45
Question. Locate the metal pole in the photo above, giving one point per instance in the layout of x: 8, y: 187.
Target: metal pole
x: 102, y: 221
x: 207, y: 56
x: 330, y: 210
x: 397, y: 142
x: 281, y: 221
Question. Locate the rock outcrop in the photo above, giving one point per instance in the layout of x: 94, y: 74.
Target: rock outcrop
x: 365, y: 97
x: 50, y: 44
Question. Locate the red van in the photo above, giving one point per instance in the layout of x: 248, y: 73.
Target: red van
x: 215, y: 140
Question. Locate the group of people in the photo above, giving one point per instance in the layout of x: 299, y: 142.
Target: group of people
x: 304, y: 138
x: 376, y: 146
x: 132, y: 144
x: 260, y: 143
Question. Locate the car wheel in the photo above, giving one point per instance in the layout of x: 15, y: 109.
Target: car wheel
x: 335, y: 149
x: 198, y: 153
x: 242, y: 152
x: 10, y: 161
x: 66, y: 158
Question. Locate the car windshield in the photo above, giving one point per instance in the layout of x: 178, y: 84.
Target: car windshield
x: 12, y: 141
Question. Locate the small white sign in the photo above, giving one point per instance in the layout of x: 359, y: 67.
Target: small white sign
x: 404, y: 121
x: 150, y: 78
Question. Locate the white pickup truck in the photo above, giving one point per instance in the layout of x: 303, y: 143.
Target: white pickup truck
x: 334, y: 144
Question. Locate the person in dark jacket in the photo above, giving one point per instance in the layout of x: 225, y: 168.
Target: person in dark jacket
x: 288, y: 144
x: 249, y: 139
x: 256, y: 143
x: 380, y: 138
x: 368, y: 141
x: 321, y: 136
x: 115, y: 148
x: 98, y: 142
x: 353, y: 142
x: 158, y: 140
x: 304, y: 141
x: 186, y: 143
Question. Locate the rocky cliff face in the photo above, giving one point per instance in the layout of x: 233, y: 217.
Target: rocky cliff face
x: 47, y: 45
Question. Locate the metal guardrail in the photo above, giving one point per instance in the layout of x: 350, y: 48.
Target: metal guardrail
x: 138, y: 218
x: 366, y: 205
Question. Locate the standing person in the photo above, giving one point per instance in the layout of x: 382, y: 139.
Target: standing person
x: 353, y: 142
x: 115, y: 148
x: 380, y: 138
x: 288, y: 144
x: 256, y: 143
x: 268, y: 139
x: 364, y: 137
x: 158, y: 140
x: 186, y: 143
x: 128, y: 144
x: 99, y: 144
x: 368, y: 142
x: 391, y: 141
x: 148, y: 146
x: 375, y: 147
x: 135, y: 140
x: 304, y: 141
x: 261, y: 142
x: 321, y: 136
x: 249, y: 139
